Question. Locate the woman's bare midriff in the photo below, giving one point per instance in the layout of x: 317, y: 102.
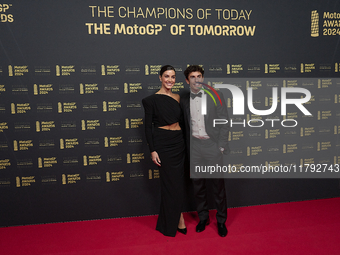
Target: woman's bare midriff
x: 174, y: 126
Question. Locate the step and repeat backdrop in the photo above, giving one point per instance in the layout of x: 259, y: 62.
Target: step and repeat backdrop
x: 73, y: 74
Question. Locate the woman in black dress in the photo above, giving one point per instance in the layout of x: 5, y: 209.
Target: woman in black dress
x: 166, y: 144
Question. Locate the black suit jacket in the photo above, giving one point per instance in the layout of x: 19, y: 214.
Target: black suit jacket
x: 218, y: 134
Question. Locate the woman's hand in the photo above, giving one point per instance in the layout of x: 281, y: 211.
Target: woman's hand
x: 155, y: 158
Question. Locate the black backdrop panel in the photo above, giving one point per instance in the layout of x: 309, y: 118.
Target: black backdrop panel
x: 73, y: 73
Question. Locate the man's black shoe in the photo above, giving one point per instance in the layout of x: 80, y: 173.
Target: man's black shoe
x: 222, y: 230
x: 201, y: 225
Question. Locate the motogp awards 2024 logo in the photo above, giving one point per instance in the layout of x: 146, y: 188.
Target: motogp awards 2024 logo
x: 5, y: 16
x: 330, y: 23
x: 238, y: 105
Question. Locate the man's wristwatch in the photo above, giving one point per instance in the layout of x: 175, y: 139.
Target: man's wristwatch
x: 221, y: 149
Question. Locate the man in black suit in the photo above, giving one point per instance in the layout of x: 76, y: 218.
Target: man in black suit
x: 207, y: 145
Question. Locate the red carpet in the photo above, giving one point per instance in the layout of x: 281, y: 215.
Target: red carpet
x: 307, y: 227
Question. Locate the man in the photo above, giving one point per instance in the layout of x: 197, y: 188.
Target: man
x: 208, y: 144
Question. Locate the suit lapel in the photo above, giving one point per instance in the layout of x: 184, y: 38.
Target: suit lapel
x: 209, y: 105
x: 187, y: 107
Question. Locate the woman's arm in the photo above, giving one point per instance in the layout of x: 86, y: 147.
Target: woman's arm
x: 148, y: 109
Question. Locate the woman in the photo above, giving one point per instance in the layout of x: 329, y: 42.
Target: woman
x: 166, y: 144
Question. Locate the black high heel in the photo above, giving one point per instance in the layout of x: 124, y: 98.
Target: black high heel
x: 182, y: 230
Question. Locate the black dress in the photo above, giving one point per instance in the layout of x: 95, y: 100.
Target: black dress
x: 162, y: 110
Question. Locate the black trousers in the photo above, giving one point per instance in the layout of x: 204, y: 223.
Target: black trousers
x: 206, y: 152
